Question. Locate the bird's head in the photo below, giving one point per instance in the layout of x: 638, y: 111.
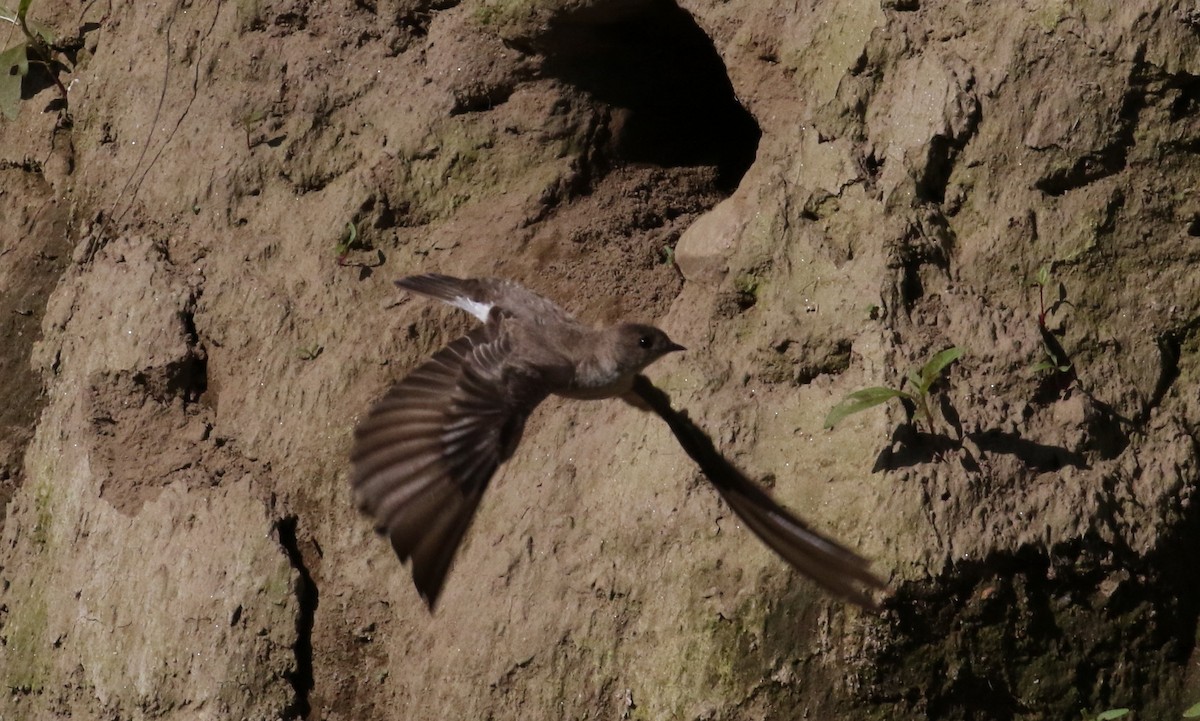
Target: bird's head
x: 640, y: 345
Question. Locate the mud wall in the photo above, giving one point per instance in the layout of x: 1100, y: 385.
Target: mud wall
x: 812, y: 197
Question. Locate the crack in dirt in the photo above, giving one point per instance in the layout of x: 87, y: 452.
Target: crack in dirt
x: 308, y: 597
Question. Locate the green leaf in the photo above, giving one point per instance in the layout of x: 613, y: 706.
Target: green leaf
x: 1045, y: 365
x: 14, y: 64
x: 43, y: 32
x: 254, y: 117
x: 1193, y: 712
x: 860, y: 401
x: 930, y: 371
x: 1043, y: 275
x: 343, y: 246
x: 1112, y: 713
x: 32, y: 27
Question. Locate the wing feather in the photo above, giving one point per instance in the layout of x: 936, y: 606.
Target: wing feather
x: 426, y: 451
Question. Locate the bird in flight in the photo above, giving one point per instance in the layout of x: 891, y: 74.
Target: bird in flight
x: 423, y: 456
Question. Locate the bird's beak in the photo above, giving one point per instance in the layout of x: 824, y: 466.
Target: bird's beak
x: 674, y: 347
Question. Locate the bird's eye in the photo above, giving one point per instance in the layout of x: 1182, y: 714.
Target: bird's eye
x: 645, y: 341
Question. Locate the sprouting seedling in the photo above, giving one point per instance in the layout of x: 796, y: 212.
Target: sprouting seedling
x: 249, y: 120
x: 37, y: 47
x: 920, y: 380
x: 1041, y: 280
x: 347, y: 242
x: 350, y: 241
x: 309, y: 352
x: 1054, y: 360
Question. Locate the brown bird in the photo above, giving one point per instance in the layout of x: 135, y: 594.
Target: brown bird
x: 426, y: 451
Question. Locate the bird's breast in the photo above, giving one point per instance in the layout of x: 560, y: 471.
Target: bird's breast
x: 594, y: 380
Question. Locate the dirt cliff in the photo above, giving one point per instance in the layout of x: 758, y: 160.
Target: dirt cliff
x: 196, y: 304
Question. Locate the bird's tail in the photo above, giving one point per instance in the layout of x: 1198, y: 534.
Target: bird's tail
x: 466, y: 294
x: 434, y: 285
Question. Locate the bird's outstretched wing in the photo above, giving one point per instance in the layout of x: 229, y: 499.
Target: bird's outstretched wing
x: 839, y: 570
x: 424, y: 454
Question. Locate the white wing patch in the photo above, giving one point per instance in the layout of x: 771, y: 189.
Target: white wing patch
x: 474, y: 307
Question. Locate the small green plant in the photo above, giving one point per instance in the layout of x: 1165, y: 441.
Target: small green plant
x: 351, y: 241
x: 747, y: 287
x: 1111, y: 714
x: 1044, y: 280
x: 1193, y: 711
x: 37, y: 47
x: 1054, y: 361
x: 920, y: 380
x: 311, y: 352
x: 41, y: 529
x: 249, y: 121
x: 347, y: 242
